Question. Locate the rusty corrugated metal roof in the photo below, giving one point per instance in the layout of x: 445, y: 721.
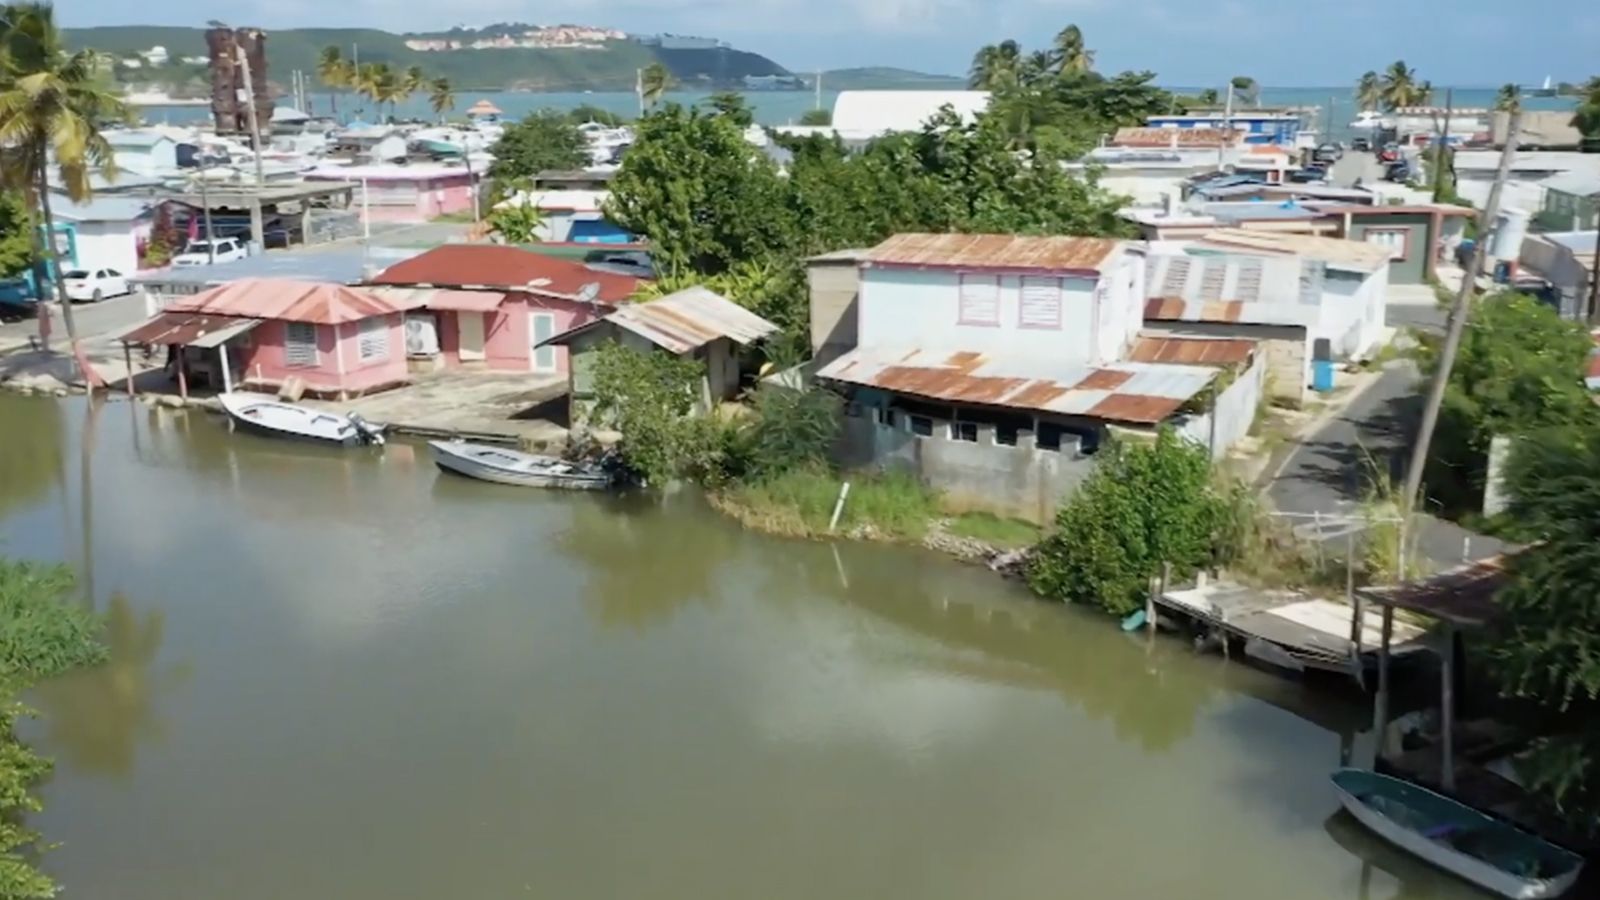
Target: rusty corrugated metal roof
x: 1191, y: 351
x: 442, y: 298
x: 1177, y: 309
x: 292, y: 301
x: 185, y: 329
x: 1182, y: 138
x: 1130, y: 392
x: 1464, y: 595
x: 1054, y: 253
x: 689, y: 319
x: 1337, y: 252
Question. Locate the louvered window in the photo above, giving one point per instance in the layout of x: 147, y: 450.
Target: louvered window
x: 1176, y: 277
x: 1211, y: 281
x: 299, y: 344
x: 1041, y: 303
x: 1247, y: 285
x: 374, y: 339
x: 980, y: 300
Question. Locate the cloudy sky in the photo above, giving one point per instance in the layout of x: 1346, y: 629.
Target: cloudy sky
x: 1187, y: 43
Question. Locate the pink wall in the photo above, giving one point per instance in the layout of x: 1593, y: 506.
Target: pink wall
x: 506, y: 332
x: 435, y: 197
x: 263, y: 361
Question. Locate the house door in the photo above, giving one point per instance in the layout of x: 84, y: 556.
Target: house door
x: 471, y: 328
x: 541, y: 327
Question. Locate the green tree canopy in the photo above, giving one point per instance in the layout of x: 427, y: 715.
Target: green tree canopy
x: 732, y: 105
x: 1144, y: 505
x: 545, y: 140
x: 1518, y: 371
x: 1547, y: 647
x: 16, y: 235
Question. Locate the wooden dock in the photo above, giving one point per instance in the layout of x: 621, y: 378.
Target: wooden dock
x: 1289, y: 629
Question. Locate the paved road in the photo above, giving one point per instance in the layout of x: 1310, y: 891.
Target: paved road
x: 94, y: 320
x: 1332, y: 471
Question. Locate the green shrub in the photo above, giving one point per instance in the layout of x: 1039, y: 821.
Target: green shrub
x: 1145, y: 504
x: 791, y: 429
x: 42, y: 633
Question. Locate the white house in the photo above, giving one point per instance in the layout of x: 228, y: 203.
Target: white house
x: 103, y: 233
x: 995, y: 365
x: 860, y: 116
x: 1286, y: 291
x: 144, y: 152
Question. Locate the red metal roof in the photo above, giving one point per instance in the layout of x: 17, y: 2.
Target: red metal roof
x: 1000, y: 251
x: 293, y: 301
x: 507, y: 268
x: 1191, y: 351
x: 182, y: 328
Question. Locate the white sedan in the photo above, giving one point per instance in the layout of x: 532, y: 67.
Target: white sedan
x: 93, y: 285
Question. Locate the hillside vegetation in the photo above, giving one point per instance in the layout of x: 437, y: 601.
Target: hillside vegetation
x: 888, y: 78
x: 612, y: 68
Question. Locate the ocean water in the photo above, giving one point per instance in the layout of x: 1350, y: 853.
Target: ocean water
x: 786, y: 107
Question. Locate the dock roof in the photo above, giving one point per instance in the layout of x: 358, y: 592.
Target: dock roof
x: 1141, y: 393
x: 1052, y: 253
x: 1462, y: 596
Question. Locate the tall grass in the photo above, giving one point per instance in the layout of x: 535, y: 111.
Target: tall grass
x: 799, y: 502
x: 42, y: 633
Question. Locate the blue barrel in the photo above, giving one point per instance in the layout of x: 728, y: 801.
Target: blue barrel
x: 1322, y: 375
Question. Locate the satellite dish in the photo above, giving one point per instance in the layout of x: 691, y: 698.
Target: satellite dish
x: 589, y: 292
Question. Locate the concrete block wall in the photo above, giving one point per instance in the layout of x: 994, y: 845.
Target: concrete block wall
x: 1022, y: 482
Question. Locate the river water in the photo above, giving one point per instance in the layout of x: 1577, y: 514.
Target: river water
x: 342, y: 675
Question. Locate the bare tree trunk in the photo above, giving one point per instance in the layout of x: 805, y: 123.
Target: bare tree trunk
x: 91, y: 379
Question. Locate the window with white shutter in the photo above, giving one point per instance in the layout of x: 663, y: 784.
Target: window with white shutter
x: 1041, y: 303
x: 299, y: 344
x: 373, y: 342
x: 980, y: 300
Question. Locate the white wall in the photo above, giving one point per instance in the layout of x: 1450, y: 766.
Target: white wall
x: 1121, y: 310
x: 905, y: 307
x: 107, y: 245
x: 1230, y: 418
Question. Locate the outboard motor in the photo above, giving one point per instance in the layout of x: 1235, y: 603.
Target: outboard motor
x: 370, y: 433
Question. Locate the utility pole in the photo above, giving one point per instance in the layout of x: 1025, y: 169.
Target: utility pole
x: 257, y: 228
x: 1227, y: 125
x: 638, y: 88
x: 1458, y: 322
x: 205, y: 205
x: 1592, y: 314
x: 819, y: 89
x: 1442, y: 146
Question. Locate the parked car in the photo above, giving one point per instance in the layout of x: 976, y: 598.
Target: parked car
x: 1389, y: 153
x: 1327, y: 153
x: 93, y: 285
x: 1361, y: 144
x: 1309, y: 174
x: 200, y: 252
x: 17, y: 298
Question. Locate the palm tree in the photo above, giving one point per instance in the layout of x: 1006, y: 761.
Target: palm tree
x: 654, y: 82
x: 1586, y: 118
x: 1369, y: 91
x: 413, y: 81
x: 1071, y: 57
x: 51, y: 107
x: 1038, y: 64
x: 1398, y: 86
x: 1246, y: 89
x: 1509, y: 98
x: 441, y: 97
x: 996, y: 66
x: 335, y: 73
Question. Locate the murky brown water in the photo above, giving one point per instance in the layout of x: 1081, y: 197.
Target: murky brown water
x: 342, y: 675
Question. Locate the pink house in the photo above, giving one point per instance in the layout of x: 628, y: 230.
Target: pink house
x: 492, y: 306
x: 335, y: 340
x: 417, y: 192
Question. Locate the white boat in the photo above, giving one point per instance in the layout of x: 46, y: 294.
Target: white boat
x: 1484, y: 850
x: 1368, y: 120
x: 505, y: 466
x: 266, y: 416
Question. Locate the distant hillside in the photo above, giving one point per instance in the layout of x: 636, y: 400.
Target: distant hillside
x: 884, y: 78
x: 610, y: 68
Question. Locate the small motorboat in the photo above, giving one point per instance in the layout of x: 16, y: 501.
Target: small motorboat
x: 1489, y: 852
x: 264, y: 415
x: 505, y: 466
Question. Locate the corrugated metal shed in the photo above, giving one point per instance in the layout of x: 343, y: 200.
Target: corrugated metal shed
x: 683, y: 322
x: 1129, y: 392
x: 1191, y: 351
x: 1000, y: 251
x: 291, y: 301
x: 1463, y: 595
x: 103, y: 209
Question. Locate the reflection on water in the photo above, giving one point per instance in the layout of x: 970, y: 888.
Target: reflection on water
x: 409, y: 685
x: 32, y: 451
x: 97, y: 717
